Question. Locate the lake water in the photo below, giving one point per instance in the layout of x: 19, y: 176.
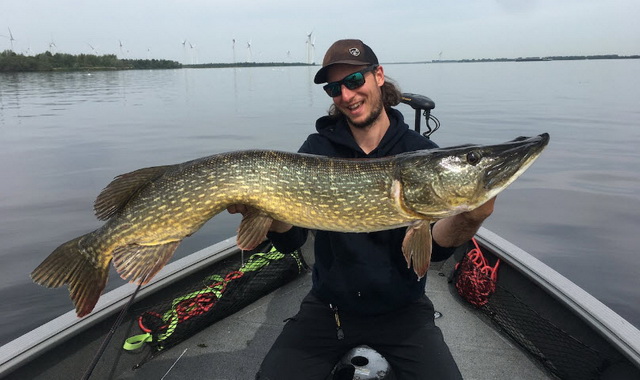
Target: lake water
x: 64, y: 136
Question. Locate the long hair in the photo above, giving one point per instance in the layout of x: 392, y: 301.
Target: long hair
x: 391, y: 96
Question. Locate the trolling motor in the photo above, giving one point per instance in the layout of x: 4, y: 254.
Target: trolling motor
x: 422, y: 104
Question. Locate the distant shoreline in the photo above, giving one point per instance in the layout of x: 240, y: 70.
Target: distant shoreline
x: 244, y: 64
x: 519, y: 59
x: 528, y: 59
x: 13, y: 62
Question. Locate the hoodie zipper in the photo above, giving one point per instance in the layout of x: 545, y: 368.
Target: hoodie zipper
x: 339, y: 332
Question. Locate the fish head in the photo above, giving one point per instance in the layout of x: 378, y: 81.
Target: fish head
x: 443, y: 182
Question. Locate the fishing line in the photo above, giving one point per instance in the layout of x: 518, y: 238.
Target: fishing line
x: 110, y: 335
x: 174, y: 364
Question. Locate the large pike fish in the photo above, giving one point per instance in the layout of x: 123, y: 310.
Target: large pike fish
x: 149, y: 211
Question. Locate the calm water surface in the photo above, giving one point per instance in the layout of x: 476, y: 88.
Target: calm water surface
x: 64, y: 136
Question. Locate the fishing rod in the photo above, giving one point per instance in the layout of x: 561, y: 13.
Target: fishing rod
x: 107, y: 339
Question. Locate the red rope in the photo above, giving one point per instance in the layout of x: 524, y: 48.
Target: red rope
x: 203, y: 302
x: 141, y: 323
x: 476, y: 278
x: 194, y: 306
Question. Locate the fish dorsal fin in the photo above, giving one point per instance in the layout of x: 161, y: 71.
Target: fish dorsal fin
x: 116, y: 195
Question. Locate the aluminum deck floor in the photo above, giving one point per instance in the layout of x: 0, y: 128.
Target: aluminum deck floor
x: 233, y: 348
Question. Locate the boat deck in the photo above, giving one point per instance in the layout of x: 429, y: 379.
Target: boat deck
x: 233, y: 348
x: 569, y: 327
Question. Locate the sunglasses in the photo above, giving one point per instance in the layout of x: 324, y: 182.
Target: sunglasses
x: 351, y: 81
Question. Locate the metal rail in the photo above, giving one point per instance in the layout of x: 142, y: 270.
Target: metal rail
x: 43, y: 338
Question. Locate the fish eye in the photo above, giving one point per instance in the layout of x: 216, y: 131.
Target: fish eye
x: 473, y: 157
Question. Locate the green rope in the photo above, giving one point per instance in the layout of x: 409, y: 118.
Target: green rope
x: 171, y: 317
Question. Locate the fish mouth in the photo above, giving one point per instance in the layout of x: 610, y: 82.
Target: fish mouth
x: 512, y: 159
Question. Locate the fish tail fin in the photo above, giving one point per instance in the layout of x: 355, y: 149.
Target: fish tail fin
x: 416, y: 247
x: 75, y: 266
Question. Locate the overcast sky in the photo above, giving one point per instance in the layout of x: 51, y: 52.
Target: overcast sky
x: 396, y: 30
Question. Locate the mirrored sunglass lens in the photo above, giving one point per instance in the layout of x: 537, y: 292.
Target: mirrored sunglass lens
x: 332, y: 89
x: 353, y: 81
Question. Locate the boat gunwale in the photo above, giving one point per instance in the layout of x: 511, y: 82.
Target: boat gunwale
x: 614, y: 328
x: 39, y: 340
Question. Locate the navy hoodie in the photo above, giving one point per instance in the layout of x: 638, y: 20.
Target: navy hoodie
x: 362, y: 273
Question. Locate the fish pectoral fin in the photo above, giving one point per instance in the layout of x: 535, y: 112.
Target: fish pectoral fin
x: 253, y: 229
x: 139, y: 263
x: 416, y: 247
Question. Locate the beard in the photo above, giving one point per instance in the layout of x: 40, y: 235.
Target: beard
x: 373, y: 116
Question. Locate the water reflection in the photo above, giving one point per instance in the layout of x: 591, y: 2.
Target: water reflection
x: 64, y: 136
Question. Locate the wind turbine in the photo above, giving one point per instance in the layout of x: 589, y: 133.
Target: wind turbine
x: 52, y: 45
x: 249, y: 51
x: 184, y: 50
x: 93, y: 49
x: 11, y: 39
x: 310, y: 47
x: 194, y: 52
x: 313, y: 51
x: 233, y: 47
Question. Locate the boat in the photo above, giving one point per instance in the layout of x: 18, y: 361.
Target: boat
x: 504, y: 315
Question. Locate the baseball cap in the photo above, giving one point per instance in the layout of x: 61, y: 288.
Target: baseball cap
x: 350, y: 52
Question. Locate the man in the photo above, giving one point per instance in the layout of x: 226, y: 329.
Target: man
x: 363, y: 292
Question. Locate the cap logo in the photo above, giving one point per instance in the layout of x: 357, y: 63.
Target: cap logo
x: 354, y: 52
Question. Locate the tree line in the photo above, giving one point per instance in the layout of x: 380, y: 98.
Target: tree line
x: 13, y: 62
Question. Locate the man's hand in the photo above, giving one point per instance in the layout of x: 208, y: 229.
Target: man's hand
x: 456, y: 230
x: 276, y: 225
